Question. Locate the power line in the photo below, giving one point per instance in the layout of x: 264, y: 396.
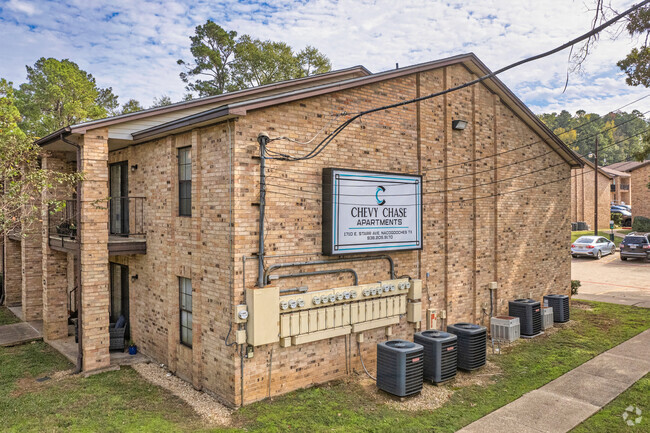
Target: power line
x: 640, y: 116
x: 446, y: 191
x: 327, y: 140
x: 451, y: 190
x: 539, y: 141
x: 450, y: 201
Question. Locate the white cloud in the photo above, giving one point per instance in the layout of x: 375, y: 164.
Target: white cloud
x: 21, y: 7
x: 133, y: 46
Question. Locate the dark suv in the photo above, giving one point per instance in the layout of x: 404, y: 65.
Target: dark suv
x: 635, y: 245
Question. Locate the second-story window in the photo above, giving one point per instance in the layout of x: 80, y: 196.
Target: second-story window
x: 185, y: 181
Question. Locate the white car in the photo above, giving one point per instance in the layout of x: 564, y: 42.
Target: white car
x: 592, y: 246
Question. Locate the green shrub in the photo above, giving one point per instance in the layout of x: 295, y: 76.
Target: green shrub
x: 641, y: 224
x: 618, y: 219
x: 574, y: 286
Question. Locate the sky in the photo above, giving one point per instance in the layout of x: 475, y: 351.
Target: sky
x: 132, y: 46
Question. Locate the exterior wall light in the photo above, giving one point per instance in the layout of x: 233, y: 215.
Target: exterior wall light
x: 134, y: 277
x: 458, y: 125
x: 134, y: 167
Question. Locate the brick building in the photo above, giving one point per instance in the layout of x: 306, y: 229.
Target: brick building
x: 175, y: 248
x: 637, y: 180
x: 583, y: 197
x: 620, y: 191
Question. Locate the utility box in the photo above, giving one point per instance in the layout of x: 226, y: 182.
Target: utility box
x: 414, y: 312
x: 263, y: 315
x: 415, y: 291
x: 547, y: 317
x: 504, y: 328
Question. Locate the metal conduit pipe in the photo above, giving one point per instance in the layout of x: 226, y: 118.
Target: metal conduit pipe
x: 305, y: 274
x: 304, y: 289
x: 327, y: 262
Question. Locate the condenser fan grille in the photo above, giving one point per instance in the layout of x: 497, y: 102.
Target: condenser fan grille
x: 471, y: 346
x: 399, y: 367
x: 560, y: 304
x: 440, y: 354
x: 529, y: 313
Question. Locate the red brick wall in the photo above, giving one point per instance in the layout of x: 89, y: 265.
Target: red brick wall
x: 639, y: 185
x: 476, y: 230
x: 518, y: 239
x: 582, y: 197
x: 12, y: 273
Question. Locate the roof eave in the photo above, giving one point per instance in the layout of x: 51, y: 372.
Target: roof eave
x: 205, y: 117
x: 53, y: 136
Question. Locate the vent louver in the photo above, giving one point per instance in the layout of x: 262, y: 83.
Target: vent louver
x: 529, y: 312
x: 400, y: 366
x: 472, y: 341
x: 440, y: 354
x: 560, y: 304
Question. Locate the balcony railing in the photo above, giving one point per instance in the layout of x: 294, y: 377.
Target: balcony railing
x: 625, y: 187
x: 126, y: 216
x: 63, y: 223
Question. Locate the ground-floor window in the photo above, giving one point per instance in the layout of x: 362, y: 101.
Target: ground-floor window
x: 185, y: 288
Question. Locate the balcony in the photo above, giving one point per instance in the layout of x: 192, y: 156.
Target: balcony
x: 625, y: 187
x: 126, y: 228
x: 612, y: 188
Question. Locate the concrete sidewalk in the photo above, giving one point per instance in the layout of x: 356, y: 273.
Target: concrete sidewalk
x: 18, y: 333
x: 570, y: 399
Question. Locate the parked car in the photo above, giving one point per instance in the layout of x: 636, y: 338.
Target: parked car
x: 622, y: 211
x: 592, y: 246
x: 626, y: 207
x: 626, y: 216
x: 636, y: 246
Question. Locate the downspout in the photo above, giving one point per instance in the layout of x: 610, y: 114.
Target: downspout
x: 77, y: 262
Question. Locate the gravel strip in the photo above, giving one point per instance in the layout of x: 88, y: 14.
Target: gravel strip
x: 203, y: 404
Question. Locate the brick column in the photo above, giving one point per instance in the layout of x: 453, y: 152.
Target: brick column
x: 32, y: 272
x: 12, y: 272
x: 94, y: 250
x: 55, y: 272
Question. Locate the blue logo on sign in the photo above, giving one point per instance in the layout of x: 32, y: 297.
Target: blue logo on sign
x: 380, y: 202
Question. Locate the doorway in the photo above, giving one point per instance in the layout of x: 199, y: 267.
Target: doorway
x: 119, y: 305
x: 119, y: 201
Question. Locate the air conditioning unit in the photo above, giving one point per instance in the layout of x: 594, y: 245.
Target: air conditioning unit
x: 440, y: 354
x: 471, y: 345
x: 504, y: 328
x: 560, y: 304
x: 547, y: 317
x: 529, y: 312
x: 400, y: 367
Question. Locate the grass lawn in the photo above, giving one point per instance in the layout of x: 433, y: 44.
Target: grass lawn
x: 610, y: 419
x: 576, y: 235
x: 7, y: 317
x: 119, y: 401
x: 122, y: 401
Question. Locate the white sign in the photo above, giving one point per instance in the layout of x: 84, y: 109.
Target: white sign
x: 371, y: 212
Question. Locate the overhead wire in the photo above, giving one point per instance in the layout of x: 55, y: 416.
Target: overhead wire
x: 534, y: 142
x: 519, y: 161
x: 328, y: 139
x: 460, y: 188
x: 452, y: 201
